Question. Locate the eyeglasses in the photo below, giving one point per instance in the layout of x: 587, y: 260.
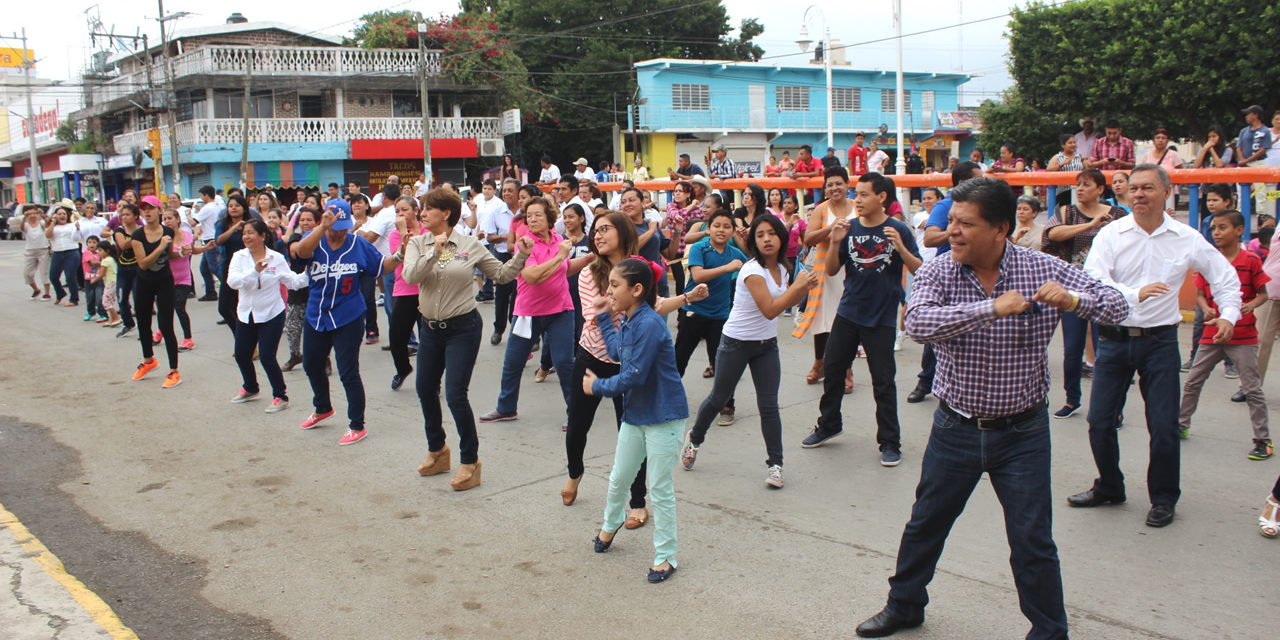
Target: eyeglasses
x: 601, y: 228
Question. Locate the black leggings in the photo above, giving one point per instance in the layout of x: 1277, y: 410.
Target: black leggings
x: 158, y: 291
x: 228, y: 300
x: 369, y: 288
x: 404, y: 315
x: 694, y: 329
x: 677, y: 272
x: 180, y: 294
x: 582, y: 412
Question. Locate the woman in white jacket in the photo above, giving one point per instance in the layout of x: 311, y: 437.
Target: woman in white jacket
x: 257, y: 273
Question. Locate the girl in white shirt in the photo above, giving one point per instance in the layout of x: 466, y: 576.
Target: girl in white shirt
x: 257, y: 272
x: 65, y: 260
x: 750, y: 338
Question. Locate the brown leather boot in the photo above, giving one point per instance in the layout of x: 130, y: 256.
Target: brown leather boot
x: 436, y: 462
x: 468, y: 477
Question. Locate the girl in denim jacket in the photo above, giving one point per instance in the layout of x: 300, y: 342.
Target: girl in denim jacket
x: 654, y: 406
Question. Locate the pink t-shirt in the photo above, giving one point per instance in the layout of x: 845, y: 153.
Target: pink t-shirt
x: 181, y: 267
x: 89, y: 262
x: 793, y: 239
x: 550, y: 296
x: 401, y: 287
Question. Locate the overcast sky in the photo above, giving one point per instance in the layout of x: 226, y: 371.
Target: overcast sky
x: 58, y: 30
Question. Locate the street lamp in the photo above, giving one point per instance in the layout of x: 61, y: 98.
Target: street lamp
x: 804, y: 43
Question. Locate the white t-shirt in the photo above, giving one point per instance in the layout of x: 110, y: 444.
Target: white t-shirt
x: 876, y: 161
x: 550, y: 174
x: 420, y: 189
x: 745, y: 320
x: 33, y: 236
x: 917, y: 227
x: 587, y: 207
x: 585, y: 175
x: 382, y: 224
x: 207, y: 217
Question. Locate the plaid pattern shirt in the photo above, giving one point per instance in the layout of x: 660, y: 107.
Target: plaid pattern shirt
x: 724, y: 169
x: 1122, y: 150
x: 992, y: 367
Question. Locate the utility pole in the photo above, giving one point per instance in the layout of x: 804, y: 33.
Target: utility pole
x: 172, y: 99
x: 426, y: 113
x: 244, y: 139
x: 35, y: 188
x: 635, y: 112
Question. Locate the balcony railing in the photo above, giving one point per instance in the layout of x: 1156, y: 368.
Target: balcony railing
x: 746, y: 119
x: 304, y: 130
x: 233, y: 60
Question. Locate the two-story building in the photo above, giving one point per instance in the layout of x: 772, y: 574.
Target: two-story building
x: 318, y: 112
x: 757, y: 109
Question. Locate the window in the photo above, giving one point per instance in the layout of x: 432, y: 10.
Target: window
x: 793, y: 98
x: 191, y: 106
x: 889, y: 99
x: 310, y: 106
x: 406, y: 104
x: 927, y: 101
x: 229, y: 103
x: 691, y: 97
x: 846, y: 99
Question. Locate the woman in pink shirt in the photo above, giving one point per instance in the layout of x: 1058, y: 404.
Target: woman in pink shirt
x: 404, y: 296
x: 183, y: 284
x: 543, y: 307
x: 683, y: 212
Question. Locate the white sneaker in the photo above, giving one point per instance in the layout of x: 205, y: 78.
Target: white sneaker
x: 897, y: 342
x: 774, y: 479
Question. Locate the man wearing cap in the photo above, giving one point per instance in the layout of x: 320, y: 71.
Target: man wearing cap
x: 335, y: 311
x: 1114, y: 151
x: 582, y: 171
x: 858, y: 156
x: 1086, y: 138
x: 830, y: 160
x: 550, y: 173
x: 1255, y: 139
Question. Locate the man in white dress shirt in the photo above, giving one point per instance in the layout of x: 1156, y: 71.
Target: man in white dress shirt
x: 1146, y: 256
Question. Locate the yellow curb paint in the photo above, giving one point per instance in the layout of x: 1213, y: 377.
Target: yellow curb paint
x: 96, y: 608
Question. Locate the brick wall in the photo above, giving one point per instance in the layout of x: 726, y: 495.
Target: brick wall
x: 285, y: 104
x: 367, y: 104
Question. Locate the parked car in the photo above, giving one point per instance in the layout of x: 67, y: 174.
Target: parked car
x: 12, y: 228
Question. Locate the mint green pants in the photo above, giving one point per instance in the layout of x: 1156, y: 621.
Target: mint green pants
x: 660, y: 445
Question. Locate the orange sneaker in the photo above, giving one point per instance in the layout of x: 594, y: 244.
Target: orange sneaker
x: 145, y: 368
x: 172, y: 380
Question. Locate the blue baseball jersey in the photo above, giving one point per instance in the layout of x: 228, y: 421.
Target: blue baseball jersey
x: 335, y: 298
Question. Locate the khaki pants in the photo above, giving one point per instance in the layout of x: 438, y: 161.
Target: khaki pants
x: 1268, y: 322
x: 1246, y: 358
x: 36, y: 266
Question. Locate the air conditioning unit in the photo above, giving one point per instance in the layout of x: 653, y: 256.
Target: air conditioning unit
x: 492, y: 147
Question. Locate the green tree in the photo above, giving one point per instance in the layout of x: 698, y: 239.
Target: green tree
x: 1033, y: 132
x: 1180, y: 64
x: 78, y: 137
x: 580, y: 57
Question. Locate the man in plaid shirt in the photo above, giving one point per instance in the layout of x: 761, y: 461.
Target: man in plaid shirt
x: 722, y: 168
x: 1113, y: 151
x: 989, y: 308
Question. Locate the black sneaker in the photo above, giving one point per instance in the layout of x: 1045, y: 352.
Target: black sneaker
x: 890, y: 457
x: 818, y: 438
x: 1066, y: 411
x: 1238, y: 396
x: 1262, y: 450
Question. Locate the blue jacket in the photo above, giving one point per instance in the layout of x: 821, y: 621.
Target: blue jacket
x: 647, y: 380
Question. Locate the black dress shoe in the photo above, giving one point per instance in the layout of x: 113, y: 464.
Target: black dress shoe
x: 1092, y: 498
x: 1160, y: 515
x: 222, y: 322
x: 1238, y: 397
x: 917, y: 395
x: 495, y: 338
x: 396, y: 381
x: 886, y: 624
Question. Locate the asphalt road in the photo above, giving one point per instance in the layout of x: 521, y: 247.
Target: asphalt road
x: 195, y: 518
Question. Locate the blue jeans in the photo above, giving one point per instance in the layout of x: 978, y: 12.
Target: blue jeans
x: 93, y: 298
x: 344, y: 342
x: 1017, y: 461
x: 557, y: 329
x: 1156, y: 359
x: 369, y: 289
x: 265, y: 336
x: 449, y: 353
x: 1074, y: 329
x: 208, y: 267
x: 732, y: 359
x: 928, y: 366
x: 64, y: 264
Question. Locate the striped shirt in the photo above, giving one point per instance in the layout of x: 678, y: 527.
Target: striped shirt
x: 988, y: 366
x: 591, y: 339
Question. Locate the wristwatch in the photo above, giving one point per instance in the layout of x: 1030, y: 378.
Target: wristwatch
x: 1075, y: 300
